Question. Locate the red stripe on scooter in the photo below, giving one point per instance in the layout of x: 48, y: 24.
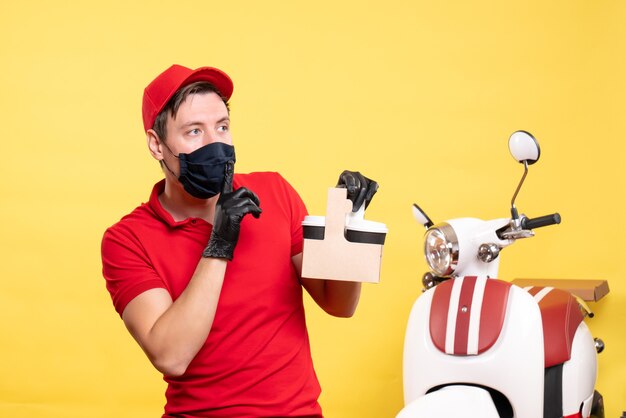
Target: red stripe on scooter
x: 576, y: 415
x: 463, y: 315
x: 493, y: 312
x: 439, y: 314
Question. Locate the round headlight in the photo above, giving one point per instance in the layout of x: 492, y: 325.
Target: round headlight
x: 441, y: 248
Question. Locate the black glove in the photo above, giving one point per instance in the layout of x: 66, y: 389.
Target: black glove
x: 230, y: 209
x: 360, y: 188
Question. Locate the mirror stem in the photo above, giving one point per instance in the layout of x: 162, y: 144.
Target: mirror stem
x: 514, y: 213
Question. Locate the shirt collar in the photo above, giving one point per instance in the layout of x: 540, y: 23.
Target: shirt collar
x: 165, y: 216
x: 159, y: 210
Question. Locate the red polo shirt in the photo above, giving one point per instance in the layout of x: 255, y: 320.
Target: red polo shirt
x: 256, y: 361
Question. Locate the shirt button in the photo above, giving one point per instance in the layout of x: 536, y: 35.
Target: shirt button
x: 193, y: 221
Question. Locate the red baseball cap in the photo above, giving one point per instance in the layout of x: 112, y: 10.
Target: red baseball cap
x: 162, y: 88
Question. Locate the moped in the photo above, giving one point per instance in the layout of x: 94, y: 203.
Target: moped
x: 477, y: 346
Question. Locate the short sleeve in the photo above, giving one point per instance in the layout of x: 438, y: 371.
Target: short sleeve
x: 298, y: 212
x: 125, y: 267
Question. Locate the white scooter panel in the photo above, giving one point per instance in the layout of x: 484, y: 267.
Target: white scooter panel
x: 513, y: 365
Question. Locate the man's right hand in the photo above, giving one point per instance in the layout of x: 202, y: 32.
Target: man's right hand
x: 230, y: 209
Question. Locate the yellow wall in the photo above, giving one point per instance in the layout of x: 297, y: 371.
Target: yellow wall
x: 419, y: 95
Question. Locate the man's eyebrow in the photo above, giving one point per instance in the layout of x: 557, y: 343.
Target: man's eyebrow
x: 195, y: 122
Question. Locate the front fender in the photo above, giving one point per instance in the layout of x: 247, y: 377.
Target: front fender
x: 452, y: 402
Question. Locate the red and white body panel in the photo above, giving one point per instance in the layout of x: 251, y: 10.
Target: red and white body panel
x: 579, y: 374
x: 568, y: 341
x: 512, y: 365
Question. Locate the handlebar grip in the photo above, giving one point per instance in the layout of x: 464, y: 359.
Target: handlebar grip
x: 547, y: 220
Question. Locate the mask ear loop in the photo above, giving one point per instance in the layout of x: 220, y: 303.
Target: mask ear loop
x: 163, y: 160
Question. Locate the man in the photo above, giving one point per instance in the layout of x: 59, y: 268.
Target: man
x: 213, y: 296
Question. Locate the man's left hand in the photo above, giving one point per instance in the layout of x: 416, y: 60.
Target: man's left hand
x: 360, y: 189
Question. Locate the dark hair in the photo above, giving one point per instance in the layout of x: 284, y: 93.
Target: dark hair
x: 172, y: 106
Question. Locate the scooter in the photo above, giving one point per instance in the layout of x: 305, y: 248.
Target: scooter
x: 476, y: 346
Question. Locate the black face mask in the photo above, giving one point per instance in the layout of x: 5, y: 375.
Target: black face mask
x: 202, y: 171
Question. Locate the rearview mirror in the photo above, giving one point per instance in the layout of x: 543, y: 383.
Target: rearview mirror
x: 524, y: 147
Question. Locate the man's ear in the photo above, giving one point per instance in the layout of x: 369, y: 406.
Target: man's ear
x: 154, y: 144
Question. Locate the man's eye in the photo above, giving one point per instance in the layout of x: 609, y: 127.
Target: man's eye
x: 194, y: 131
x: 223, y: 128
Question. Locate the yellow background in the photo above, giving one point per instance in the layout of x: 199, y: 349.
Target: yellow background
x: 419, y: 95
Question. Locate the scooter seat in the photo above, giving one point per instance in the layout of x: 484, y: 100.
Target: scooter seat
x: 560, y: 316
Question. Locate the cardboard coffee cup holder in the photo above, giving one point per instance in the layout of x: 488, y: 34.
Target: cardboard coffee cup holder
x: 342, y: 246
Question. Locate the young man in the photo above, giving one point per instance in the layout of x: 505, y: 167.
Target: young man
x: 213, y: 296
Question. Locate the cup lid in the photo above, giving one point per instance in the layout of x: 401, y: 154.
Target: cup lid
x: 367, y: 226
x: 360, y: 225
x: 314, y: 221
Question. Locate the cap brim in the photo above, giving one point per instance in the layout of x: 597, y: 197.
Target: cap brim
x: 218, y: 78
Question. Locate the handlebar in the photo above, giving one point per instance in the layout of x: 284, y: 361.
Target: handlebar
x: 528, y: 223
